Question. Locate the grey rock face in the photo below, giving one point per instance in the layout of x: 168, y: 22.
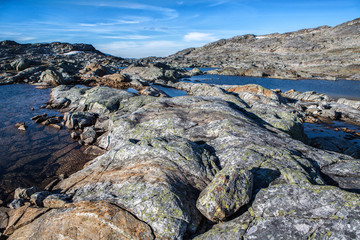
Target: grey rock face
x: 51, y: 77
x: 152, y: 72
x: 294, y: 212
x: 79, y: 120
x: 228, y: 192
x: 156, y: 179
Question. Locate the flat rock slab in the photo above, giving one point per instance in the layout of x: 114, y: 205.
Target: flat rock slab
x: 85, y: 220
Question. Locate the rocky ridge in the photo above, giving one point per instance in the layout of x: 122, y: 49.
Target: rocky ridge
x: 53, y: 63
x: 323, y: 52
x: 223, y: 162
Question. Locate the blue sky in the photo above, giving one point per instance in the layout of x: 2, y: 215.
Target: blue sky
x: 160, y: 28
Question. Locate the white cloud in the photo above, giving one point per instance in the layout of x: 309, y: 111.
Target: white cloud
x: 26, y: 38
x: 141, y: 49
x: 109, y: 23
x: 131, y: 37
x: 218, y: 3
x: 197, y: 36
x: 170, y: 13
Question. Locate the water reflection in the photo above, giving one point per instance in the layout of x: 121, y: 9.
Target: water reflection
x: 39, y: 154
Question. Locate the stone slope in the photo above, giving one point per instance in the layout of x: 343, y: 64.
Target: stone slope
x: 326, y: 52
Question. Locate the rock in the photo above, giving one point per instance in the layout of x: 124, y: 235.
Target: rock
x: 151, y: 91
x: 227, y: 193
x: 74, y: 120
x: 51, y: 77
x: 195, y: 72
x: 38, y: 198
x: 21, y: 64
x: 293, y: 210
x: 94, y: 151
x: 351, y: 103
x: 253, y: 88
x: 56, y: 201
x: 98, y: 220
x: 75, y: 135
x: 339, y: 145
x: 4, y: 217
x: 95, y: 69
x: 89, y: 135
x: 21, y: 126
x: 56, y: 126
x: 22, y: 217
x: 151, y: 72
x: 16, y: 203
x: 331, y: 113
x: 309, y: 96
x: 158, y: 180
x: 25, y: 193
x: 254, y: 72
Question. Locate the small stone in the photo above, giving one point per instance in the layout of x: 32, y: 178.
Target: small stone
x: 25, y: 193
x: 89, y: 135
x: 55, y: 126
x: 75, y: 135
x: 35, y: 117
x: 38, y: 198
x: 56, y: 201
x: 16, y: 203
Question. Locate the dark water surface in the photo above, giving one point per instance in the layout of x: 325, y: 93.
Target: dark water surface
x: 35, y: 156
x: 341, y: 88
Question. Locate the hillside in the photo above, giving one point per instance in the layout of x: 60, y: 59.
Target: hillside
x: 326, y: 52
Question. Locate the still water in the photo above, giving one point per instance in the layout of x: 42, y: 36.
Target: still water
x: 335, y: 89
x: 39, y: 154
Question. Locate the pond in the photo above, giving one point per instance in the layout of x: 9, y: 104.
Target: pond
x: 39, y: 154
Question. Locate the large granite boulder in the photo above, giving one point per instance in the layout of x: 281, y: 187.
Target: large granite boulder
x: 226, y: 194
x: 52, y: 77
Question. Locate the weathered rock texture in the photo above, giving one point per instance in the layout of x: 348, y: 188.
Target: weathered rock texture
x: 325, y: 52
x: 226, y: 154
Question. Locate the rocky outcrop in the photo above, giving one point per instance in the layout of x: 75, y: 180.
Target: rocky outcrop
x: 224, y: 162
x: 172, y: 163
x: 324, y: 52
x: 53, y: 63
x: 152, y: 72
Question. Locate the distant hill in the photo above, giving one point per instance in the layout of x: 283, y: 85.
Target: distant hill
x: 330, y: 52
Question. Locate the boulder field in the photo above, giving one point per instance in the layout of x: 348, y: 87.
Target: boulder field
x: 223, y: 162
